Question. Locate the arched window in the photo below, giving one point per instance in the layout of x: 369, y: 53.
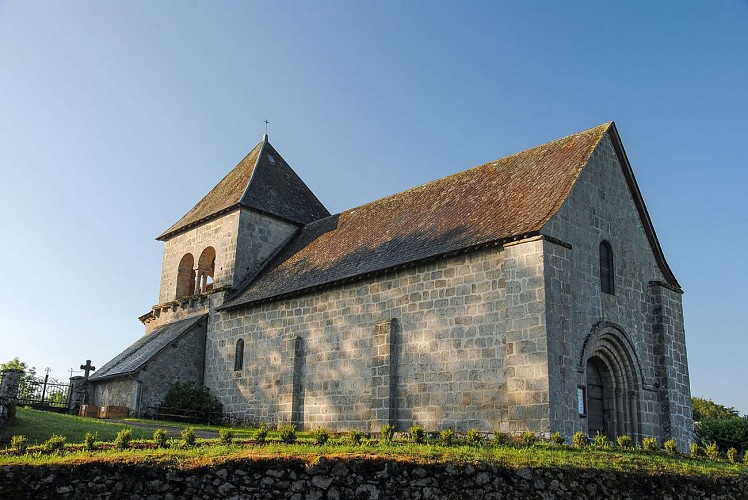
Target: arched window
x: 206, y: 268
x: 606, y: 268
x: 239, y: 355
x: 186, y: 276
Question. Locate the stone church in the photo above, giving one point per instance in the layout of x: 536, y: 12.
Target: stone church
x: 529, y: 293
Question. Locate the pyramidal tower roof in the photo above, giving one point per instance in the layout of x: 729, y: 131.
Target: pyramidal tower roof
x: 262, y: 181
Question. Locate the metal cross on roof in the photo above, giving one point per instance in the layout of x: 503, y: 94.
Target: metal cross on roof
x: 266, y: 126
x: 87, y: 367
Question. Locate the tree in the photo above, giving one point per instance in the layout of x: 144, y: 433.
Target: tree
x: 706, y: 409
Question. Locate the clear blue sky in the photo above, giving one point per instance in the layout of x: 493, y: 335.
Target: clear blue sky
x: 116, y: 117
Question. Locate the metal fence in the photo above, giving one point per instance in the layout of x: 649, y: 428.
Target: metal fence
x: 44, y: 393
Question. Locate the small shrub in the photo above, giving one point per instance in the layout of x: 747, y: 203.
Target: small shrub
x: 321, y: 436
x: 160, y: 437
x: 356, y: 436
x: 416, y: 434
x: 473, y: 437
x: 600, y: 442
x: 123, y: 438
x: 557, y: 439
x: 19, y: 444
x: 712, y: 452
x: 225, y: 436
x: 624, y: 442
x: 649, y: 444
x: 89, y: 441
x: 261, y: 434
x: 287, y: 434
x: 529, y: 438
x: 745, y: 458
x: 671, y: 447
x: 55, y: 444
x: 579, y: 439
x: 191, y: 398
x: 388, y: 433
x: 694, y: 450
x: 189, y: 436
x: 732, y: 455
x: 447, y: 437
x: 501, y: 439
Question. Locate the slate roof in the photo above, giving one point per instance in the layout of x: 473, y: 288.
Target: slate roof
x: 493, y: 202
x: 144, y: 349
x: 262, y: 181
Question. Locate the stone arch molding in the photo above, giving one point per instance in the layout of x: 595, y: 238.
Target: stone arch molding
x: 609, y: 353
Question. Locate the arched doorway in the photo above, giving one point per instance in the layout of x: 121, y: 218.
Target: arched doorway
x: 612, y: 379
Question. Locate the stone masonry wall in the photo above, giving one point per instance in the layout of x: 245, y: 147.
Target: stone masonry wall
x: 600, y: 207
x: 461, y: 338
x: 182, y: 361
x: 242, y: 239
x: 360, y: 478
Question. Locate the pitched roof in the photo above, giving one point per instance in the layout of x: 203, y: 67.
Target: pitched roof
x: 144, y: 349
x: 494, y: 202
x: 262, y: 181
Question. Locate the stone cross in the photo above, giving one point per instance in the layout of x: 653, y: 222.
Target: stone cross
x: 87, y: 367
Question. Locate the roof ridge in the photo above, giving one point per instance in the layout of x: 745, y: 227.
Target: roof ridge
x: 467, y: 171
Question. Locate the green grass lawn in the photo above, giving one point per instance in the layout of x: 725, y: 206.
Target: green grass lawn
x: 38, y: 426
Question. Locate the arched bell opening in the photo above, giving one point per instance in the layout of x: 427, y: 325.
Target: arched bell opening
x: 186, y: 276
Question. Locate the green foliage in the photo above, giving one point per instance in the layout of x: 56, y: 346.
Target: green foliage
x: 732, y: 455
x: 225, y: 436
x: 473, y: 437
x: 262, y: 432
x: 123, y: 439
x: 695, y: 450
x: 579, y: 439
x: 356, y: 436
x: 19, y: 444
x: 529, y: 438
x: 557, y: 439
x: 160, y: 437
x: 287, y: 433
x: 388, y: 433
x: 55, y: 444
x: 321, y: 436
x: 189, y: 397
x: 447, y: 437
x: 189, y: 436
x: 89, y: 441
x: 600, y: 441
x: 624, y: 442
x: 501, y: 439
x: 706, y: 409
x: 712, y: 451
x: 727, y: 433
x: 416, y: 434
x: 670, y: 446
x: 649, y: 444
x: 745, y: 458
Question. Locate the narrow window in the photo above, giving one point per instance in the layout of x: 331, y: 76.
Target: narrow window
x: 239, y: 355
x: 606, y: 268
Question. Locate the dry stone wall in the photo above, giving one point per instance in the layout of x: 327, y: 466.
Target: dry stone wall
x: 343, y: 479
